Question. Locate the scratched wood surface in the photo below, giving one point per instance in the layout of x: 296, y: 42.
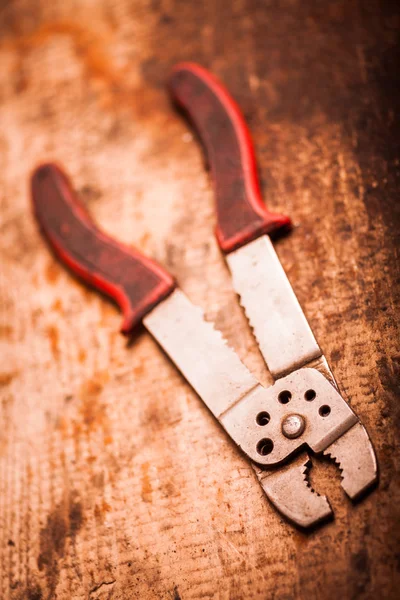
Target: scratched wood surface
x: 115, y: 482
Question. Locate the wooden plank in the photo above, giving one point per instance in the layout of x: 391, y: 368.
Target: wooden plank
x: 115, y: 482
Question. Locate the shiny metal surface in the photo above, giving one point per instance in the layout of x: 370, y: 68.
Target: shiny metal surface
x: 293, y: 426
x: 280, y: 327
x: 305, y: 392
x: 199, y: 351
x: 255, y: 417
x: 355, y: 456
x: 288, y: 490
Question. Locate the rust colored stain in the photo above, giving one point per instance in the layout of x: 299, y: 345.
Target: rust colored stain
x: 88, y: 45
x: 82, y: 355
x: 108, y: 439
x: 6, y: 378
x: 6, y: 331
x: 100, y: 511
x: 146, y: 483
x: 35, y: 316
x: 171, y: 490
x: 29, y: 474
x: 93, y: 412
x: 62, y: 427
x: 92, y: 48
x: 52, y: 334
x: 139, y: 369
x: 90, y: 416
x: 98, y: 480
x: 52, y: 271
x: 63, y: 522
x: 94, y: 385
x: 76, y: 429
x: 57, y: 306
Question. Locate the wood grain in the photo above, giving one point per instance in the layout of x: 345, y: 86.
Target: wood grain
x: 115, y: 482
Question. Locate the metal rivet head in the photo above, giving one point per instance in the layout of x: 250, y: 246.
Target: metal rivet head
x: 293, y: 426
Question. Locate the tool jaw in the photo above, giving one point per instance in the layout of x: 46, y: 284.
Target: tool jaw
x: 303, y: 408
x: 354, y: 455
x: 290, y: 493
x: 288, y: 488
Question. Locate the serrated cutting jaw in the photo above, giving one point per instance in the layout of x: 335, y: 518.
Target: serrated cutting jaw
x: 354, y: 455
x: 289, y: 490
x: 301, y: 410
x: 325, y: 422
x: 270, y: 425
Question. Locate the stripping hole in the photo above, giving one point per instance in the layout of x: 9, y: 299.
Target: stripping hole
x: 263, y: 418
x: 324, y: 410
x: 310, y: 395
x: 284, y: 396
x: 265, y: 446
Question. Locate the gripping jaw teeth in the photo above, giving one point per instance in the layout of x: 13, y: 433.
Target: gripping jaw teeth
x: 355, y: 457
x: 290, y: 492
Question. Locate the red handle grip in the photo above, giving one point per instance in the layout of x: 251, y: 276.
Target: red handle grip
x: 242, y: 215
x: 135, y: 282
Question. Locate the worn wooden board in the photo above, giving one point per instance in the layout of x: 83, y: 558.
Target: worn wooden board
x: 115, y: 482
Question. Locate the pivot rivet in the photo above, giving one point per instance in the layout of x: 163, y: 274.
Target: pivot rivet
x: 293, y: 426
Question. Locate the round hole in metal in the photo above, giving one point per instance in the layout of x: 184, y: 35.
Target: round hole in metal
x: 263, y: 418
x: 285, y: 396
x: 324, y: 410
x: 265, y: 446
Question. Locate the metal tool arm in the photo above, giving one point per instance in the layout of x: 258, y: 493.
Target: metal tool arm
x: 285, y: 338
x: 199, y: 351
x: 138, y: 285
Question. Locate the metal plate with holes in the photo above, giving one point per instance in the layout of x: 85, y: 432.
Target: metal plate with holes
x: 302, y: 408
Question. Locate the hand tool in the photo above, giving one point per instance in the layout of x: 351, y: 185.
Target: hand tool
x: 274, y: 427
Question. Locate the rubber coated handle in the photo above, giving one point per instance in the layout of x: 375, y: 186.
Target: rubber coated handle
x: 135, y: 282
x: 242, y: 215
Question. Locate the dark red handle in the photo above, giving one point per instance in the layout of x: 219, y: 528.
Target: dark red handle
x: 135, y: 282
x: 242, y: 215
